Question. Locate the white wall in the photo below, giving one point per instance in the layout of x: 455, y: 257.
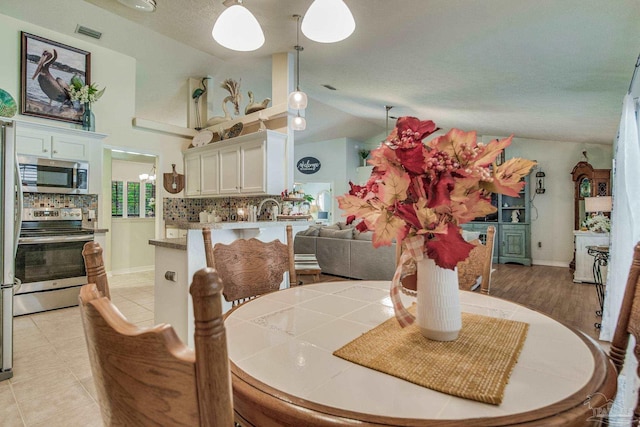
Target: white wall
x: 338, y: 160
x: 114, y: 111
x: 553, y: 227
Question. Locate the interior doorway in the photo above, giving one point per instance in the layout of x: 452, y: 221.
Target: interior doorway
x: 132, y: 208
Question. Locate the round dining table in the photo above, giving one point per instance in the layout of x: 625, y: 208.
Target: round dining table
x: 284, y: 372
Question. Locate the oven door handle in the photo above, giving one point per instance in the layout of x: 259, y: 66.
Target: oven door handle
x: 54, y: 239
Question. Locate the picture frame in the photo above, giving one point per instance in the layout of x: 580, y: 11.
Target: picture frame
x: 46, y: 69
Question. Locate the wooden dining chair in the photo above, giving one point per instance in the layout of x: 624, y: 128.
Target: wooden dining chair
x: 478, y: 265
x: 94, y: 265
x: 147, y: 376
x: 628, y: 323
x: 250, y: 267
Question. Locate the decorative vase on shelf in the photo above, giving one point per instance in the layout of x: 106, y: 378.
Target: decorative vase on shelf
x: 88, y: 119
x: 438, y: 313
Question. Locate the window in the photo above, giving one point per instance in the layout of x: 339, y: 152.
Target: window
x: 135, y: 199
x: 149, y: 199
x: 117, y: 188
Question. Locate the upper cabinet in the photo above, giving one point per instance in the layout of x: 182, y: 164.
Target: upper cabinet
x: 252, y: 164
x: 55, y: 143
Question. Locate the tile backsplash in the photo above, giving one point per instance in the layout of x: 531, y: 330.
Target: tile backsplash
x: 188, y: 209
x: 51, y: 200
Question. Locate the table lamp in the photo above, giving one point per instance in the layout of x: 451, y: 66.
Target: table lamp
x: 597, y: 205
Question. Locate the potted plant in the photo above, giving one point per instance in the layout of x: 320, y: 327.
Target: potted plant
x: 363, y: 155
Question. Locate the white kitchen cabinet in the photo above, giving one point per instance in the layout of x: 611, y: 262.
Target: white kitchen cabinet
x: 48, y: 144
x: 63, y: 143
x: 230, y: 170
x: 201, y: 171
x: 250, y: 164
x: 584, y: 261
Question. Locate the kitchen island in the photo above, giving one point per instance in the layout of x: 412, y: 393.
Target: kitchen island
x: 177, y: 259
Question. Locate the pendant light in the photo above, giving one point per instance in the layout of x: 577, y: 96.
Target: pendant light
x: 299, y: 122
x: 298, y: 99
x: 237, y: 29
x: 328, y: 21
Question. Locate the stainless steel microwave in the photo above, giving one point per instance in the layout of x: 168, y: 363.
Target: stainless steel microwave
x: 39, y: 175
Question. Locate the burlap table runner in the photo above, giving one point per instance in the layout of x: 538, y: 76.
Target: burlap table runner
x: 476, y: 366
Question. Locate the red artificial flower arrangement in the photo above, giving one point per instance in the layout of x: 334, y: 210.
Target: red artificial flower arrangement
x: 431, y: 188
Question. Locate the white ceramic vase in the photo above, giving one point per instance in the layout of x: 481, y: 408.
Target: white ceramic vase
x: 438, y: 304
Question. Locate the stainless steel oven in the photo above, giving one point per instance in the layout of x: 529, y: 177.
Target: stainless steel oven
x: 53, y: 176
x: 49, y: 259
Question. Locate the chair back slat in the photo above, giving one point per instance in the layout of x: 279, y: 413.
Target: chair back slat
x: 94, y: 264
x: 208, y: 247
x: 147, y: 376
x: 628, y: 322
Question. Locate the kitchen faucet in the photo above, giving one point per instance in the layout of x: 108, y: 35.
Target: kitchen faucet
x: 268, y: 200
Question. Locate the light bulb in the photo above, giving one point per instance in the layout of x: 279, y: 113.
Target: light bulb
x: 298, y: 123
x: 298, y: 100
x: 237, y: 29
x: 328, y: 21
x: 143, y: 176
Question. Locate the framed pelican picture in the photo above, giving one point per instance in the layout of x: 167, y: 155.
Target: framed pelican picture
x: 47, y: 68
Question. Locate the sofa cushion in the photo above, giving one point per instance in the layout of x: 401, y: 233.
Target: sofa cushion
x: 365, y: 235
x: 331, y: 227
x: 336, y: 234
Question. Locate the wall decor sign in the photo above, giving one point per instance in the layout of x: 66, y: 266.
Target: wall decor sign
x: 308, y: 165
x: 47, y: 68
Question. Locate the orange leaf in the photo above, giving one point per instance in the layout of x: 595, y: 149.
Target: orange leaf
x: 386, y: 228
x: 393, y: 187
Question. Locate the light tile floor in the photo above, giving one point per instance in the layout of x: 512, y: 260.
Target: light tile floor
x: 52, y: 383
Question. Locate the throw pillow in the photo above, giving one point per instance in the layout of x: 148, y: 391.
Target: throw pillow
x: 336, y: 234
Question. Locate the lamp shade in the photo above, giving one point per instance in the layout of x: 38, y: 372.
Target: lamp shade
x: 298, y: 100
x: 597, y: 204
x: 298, y: 123
x: 328, y: 21
x: 237, y: 29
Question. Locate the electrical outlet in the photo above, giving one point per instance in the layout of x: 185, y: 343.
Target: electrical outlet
x: 539, y: 244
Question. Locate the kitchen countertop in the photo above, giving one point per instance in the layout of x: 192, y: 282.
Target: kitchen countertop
x: 179, y: 243
x: 188, y: 225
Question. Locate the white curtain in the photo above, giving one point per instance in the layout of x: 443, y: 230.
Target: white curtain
x: 625, y: 216
x: 625, y: 232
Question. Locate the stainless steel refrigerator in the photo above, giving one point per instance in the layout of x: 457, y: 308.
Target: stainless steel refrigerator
x: 10, y: 206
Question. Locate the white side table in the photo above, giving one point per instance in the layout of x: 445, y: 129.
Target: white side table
x: 584, y: 262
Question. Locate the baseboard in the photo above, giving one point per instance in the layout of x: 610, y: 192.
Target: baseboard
x: 549, y: 263
x: 141, y: 269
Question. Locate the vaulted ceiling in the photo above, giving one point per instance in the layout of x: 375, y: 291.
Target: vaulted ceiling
x: 543, y: 69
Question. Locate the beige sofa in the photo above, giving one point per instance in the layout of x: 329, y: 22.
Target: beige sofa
x: 343, y: 251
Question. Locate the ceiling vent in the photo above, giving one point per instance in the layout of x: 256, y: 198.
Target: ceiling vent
x: 88, y: 32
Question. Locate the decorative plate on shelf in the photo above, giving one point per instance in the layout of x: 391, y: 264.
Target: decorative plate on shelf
x: 8, y: 106
x: 202, y: 138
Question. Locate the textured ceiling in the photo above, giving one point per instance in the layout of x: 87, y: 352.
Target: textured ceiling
x: 543, y: 69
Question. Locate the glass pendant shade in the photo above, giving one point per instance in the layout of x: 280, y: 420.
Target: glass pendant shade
x: 237, y: 29
x: 298, y: 100
x: 298, y: 123
x: 328, y: 21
